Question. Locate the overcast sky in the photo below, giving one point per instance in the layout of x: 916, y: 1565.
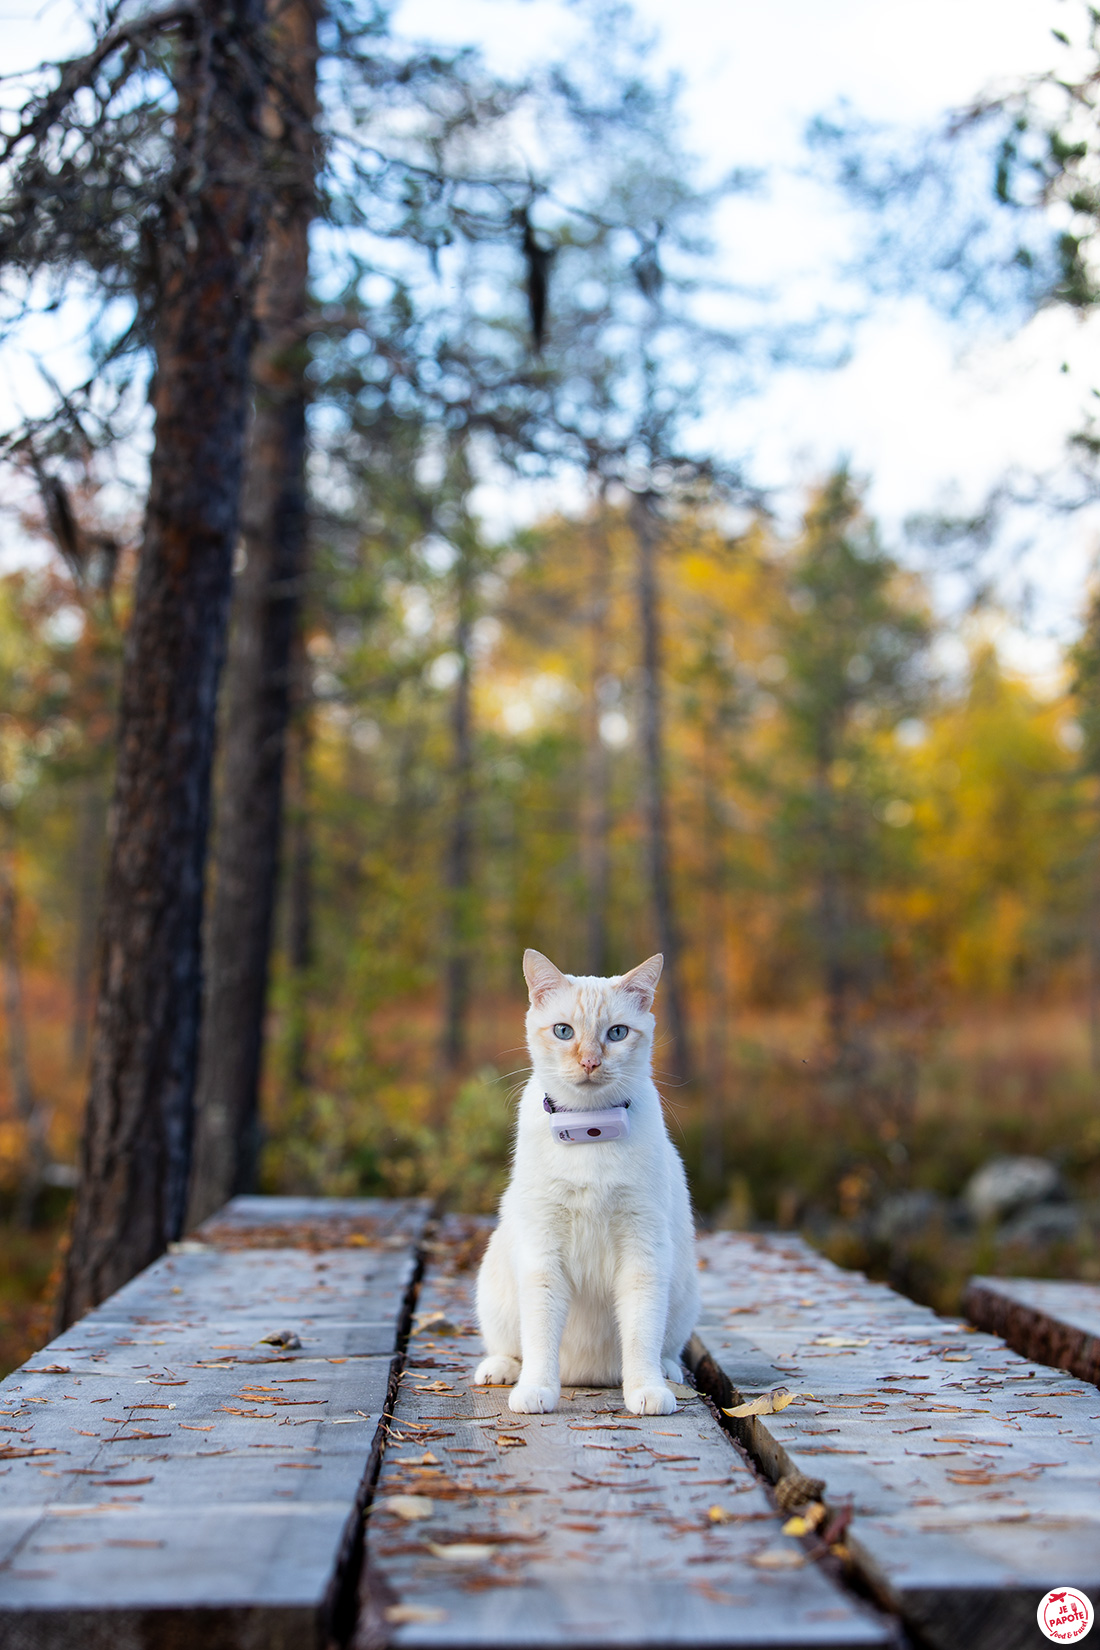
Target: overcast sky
x: 929, y: 415
x: 925, y: 413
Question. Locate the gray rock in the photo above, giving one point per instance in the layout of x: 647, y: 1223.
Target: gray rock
x: 1006, y: 1186
x: 1045, y: 1223
x: 906, y: 1215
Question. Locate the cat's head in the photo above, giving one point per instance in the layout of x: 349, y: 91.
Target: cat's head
x: 590, y: 1038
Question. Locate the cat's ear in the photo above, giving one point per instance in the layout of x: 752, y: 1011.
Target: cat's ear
x: 641, y: 982
x: 541, y: 976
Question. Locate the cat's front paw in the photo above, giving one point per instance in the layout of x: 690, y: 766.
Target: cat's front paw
x: 527, y: 1399
x: 497, y: 1370
x: 650, y: 1400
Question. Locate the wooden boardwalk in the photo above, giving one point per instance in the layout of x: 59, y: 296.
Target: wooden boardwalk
x: 587, y: 1527
x: 972, y: 1474
x: 1054, y: 1323
x: 169, y: 1479
x: 189, y: 1467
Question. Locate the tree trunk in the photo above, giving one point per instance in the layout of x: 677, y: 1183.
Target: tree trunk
x: 714, y: 958
x: 595, y: 798
x: 30, y: 1112
x: 832, y: 920
x: 266, y: 606
x: 457, y: 872
x: 90, y: 825
x: 299, y: 854
x: 648, y: 532
x: 136, y: 1155
x: 1092, y: 919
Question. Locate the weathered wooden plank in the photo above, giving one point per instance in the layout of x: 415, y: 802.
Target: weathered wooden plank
x: 197, y: 1486
x: 1053, y: 1323
x: 971, y: 1472
x: 587, y: 1527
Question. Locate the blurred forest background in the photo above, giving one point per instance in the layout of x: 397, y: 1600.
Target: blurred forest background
x: 653, y: 718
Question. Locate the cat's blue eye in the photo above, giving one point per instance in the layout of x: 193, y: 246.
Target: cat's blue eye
x: 616, y: 1034
x: 564, y: 1032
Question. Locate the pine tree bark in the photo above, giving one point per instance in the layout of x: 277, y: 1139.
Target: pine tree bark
x: 595, y: 798
x: 257, y: 699
x: 647, y: 531
x: 131, y: 1199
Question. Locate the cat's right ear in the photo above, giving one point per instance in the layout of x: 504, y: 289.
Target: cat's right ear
x: 541, y: 976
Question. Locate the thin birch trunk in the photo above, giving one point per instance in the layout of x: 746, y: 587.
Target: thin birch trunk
x: 1093, y: 951
x: 91, y: 824
x: 714, y: 957
x: 299, y: 861
x: 595, y: 797
x: 647, y: 530
x: 31, y: 1113
x: 832, y: 924
x: 458, y: 868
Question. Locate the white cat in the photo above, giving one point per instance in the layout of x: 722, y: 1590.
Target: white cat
x: 589, y: 1277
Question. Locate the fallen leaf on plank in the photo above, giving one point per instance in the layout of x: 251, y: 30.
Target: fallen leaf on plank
x: 461, y: 1552
x: 716, y: 1595
x: 778, y: 1558
x: 509, y: 1440
x: 50, y: 1369
x: 302, y: 1466
x: 768, y: 1403
x: 842, y: 1340
x: 435, y: 1323
x: 718, y: 1515
x: 286, y: 1338
x: 408, y: 1615
x: 408, y: 1507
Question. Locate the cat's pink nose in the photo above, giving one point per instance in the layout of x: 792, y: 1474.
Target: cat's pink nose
x: 590, y: 1062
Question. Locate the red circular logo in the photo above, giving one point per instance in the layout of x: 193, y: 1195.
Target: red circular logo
x: 1065, y: 1615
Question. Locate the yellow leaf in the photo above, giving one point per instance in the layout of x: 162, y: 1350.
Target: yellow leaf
x: 718, y: 1515
x: 407, y: 1615
x: 768, y: 1403
x: 797, y: 1526
x: 842, y: 1340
